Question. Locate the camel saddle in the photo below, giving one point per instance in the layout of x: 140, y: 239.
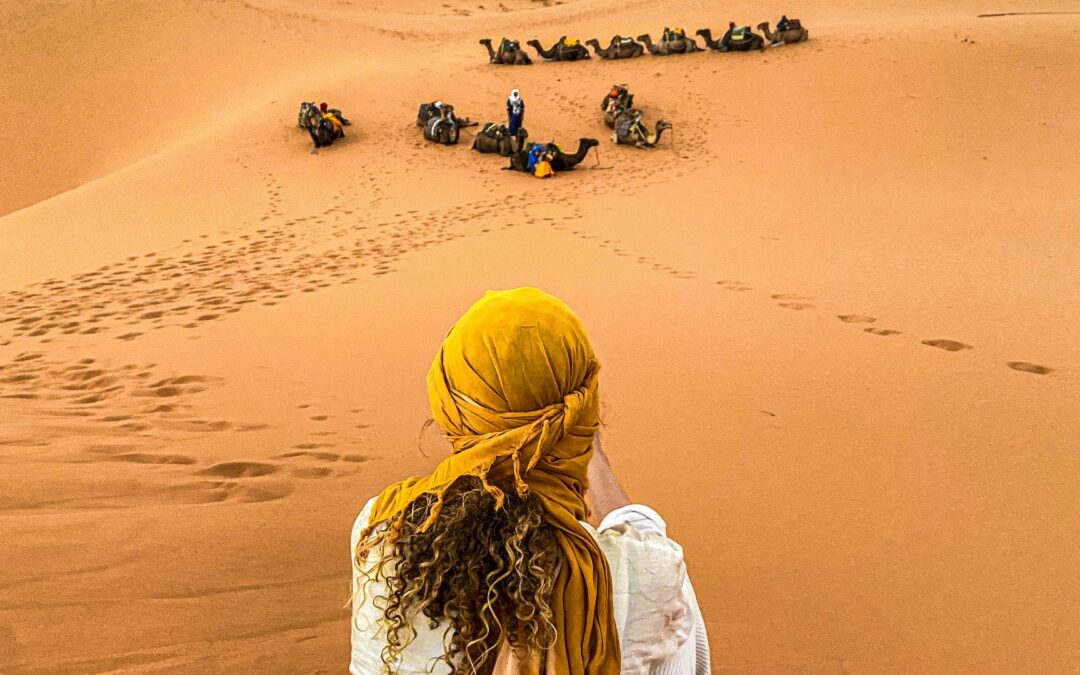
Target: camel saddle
x: 739, y: 34
x: 793, y: 24
x: 496, y: 131
x: 571, y: 43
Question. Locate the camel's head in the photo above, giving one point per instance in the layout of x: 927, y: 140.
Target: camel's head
x: 703, y: 32
x: 592, y: 41
x: 663, y: 125
x: 763, y: 26
x: 486, y: 41
x: 589, y: 142
x: 533, y: 43
x: 644, y: 37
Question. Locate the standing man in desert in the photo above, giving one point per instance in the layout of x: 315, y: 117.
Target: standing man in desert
x: 487, y: 564
x: 515, y: 112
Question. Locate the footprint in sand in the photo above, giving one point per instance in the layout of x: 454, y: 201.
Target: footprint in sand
x: 1025, y: 367
x: 947, y: 345
x: 239, y: 469
x: 855, y: 318
x: 793, y: 302
x: 730, y: 285
x: 881, y: 331
x: 149, y: 458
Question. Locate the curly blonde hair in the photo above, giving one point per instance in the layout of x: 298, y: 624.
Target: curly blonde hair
x: 485, y: 573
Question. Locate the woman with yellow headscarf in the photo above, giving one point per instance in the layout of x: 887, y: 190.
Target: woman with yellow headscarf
x: 486, y: 565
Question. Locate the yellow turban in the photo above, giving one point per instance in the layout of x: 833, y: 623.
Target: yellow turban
x: 514, y: 388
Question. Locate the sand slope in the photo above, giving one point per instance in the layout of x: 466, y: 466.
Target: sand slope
x: 838, y: 312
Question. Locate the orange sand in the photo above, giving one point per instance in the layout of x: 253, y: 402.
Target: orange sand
x: 213, y: 343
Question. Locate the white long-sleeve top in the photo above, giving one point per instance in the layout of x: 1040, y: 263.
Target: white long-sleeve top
x: 661, y: 630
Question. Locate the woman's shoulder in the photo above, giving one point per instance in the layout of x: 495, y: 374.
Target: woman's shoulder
x: 636, y: 536
x: 651, y: 592
x: 361, y: 522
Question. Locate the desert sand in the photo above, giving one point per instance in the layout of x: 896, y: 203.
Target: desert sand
x: 838, y: 317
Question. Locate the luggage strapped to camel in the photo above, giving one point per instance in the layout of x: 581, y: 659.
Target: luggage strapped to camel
x: 495, y: 131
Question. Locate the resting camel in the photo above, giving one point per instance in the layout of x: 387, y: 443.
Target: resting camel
x: 560, y: 161
x: 442, y: 130
x: 510, y: 53
x: 676, y: 45
x: 496, y: 138
x: 563, y: 50
x: 729, y: 43
x: 784, y: 37
x: 615, y: 107
x: 323, y: 132
x: 439, y: 122
x: 619, y: 48
x: 632, y: 131
x: 620, y: 96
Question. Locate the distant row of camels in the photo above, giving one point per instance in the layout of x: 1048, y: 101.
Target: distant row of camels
x: 676, y: 41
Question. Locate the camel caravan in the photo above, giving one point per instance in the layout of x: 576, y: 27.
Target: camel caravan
x: 440, y: 125
x: 672, y: 41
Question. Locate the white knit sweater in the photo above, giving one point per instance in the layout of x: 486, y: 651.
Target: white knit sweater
x: 661, y: 630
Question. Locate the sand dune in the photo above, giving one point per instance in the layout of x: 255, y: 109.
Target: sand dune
x: 838, y: 310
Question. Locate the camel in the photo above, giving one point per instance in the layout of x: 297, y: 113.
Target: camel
x: 323, y: 132
x: 795, y: 33
x: 560, y: 161
x: 563, y: 50
x: 309, y: 110
x: 619, y: 48
x: 730, y: 43
x: 673, y: 45
x: 439, y: 123
x: 442, y: 130
x: 496, y: 138
x: 510, y: 53
x: 632, y: 131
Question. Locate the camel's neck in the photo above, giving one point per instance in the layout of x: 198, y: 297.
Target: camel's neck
x: 546, y: 53
x: 769, y: 35
x: 582, y: 150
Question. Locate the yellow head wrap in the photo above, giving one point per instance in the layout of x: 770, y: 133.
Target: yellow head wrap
x: 514, y: 388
